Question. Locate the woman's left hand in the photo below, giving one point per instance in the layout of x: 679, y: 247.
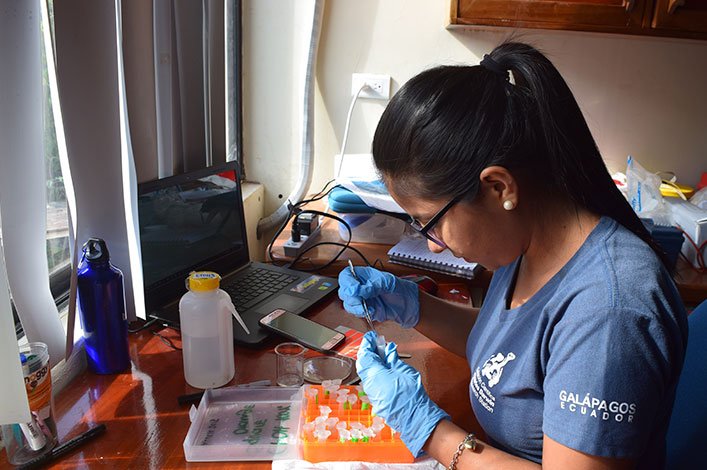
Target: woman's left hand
x: 397, y: 394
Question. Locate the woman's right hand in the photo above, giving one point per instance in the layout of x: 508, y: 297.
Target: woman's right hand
x: 388, y: 297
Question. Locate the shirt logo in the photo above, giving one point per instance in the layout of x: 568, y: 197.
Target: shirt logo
x: 597, y: 407
x: 492, y: 370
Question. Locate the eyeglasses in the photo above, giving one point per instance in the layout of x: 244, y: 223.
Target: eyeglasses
x: 428, y: 230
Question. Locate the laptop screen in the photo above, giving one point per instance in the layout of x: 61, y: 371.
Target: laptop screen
x: 189, y: 222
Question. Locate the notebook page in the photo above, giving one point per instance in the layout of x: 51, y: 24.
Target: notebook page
x: 415, y: 248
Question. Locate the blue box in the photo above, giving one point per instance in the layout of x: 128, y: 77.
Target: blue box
x: 669, y: 238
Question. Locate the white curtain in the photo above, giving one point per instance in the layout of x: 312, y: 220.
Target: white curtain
x: 126, y: 110
x: 14, y: 407
x: 22, y: 203
x: 173, y: 51
x: 88, y: 78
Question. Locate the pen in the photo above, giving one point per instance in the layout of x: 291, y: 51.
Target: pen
x: 363, y: 301
x: 65, y: 448
x: 380, y: 340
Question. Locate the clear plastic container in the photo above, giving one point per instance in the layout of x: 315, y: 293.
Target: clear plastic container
x: 207, y: 332
x: 249, y: 423
x: 372, y: 228
x: 25, y: 442
x: 274, y: 423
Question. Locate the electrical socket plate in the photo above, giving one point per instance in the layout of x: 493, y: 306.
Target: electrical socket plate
x: 378, y: 86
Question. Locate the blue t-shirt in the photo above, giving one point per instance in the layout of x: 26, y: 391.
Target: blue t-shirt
x: 592, y: 359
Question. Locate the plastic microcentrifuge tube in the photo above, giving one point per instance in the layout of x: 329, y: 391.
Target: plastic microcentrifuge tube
x: 365, y: 402
x: 356, y: 425
x: 352, y: 399
x: 319, y: 421
x: 368, y: 434
x: 313, y: 394
x: 324, y: 411
x: 336, y: 382
x: 356, y: 435
x: 341, y: 400
x: 372, y: 434
x: 380, y: 346
x: 308, y: 428
x: 377, y: 427
x: 359, y: 391
x: 331, y: 422
x: 344, y: 435
x: 321, y: 434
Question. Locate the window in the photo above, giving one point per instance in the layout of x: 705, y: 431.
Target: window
x: 57, y: 245
x: 57, y: 213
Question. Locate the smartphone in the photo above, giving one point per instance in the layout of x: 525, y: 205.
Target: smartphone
x: 307, y: 332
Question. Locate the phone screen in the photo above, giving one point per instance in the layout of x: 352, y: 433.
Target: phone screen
x: 307, y: 332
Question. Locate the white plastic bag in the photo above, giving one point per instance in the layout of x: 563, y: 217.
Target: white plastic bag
x: 700, y: 198
x: 643, y: 192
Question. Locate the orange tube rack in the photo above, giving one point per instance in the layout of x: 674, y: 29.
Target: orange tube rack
x: 386, y: 446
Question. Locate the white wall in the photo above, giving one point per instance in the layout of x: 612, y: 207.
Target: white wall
x: 640, y: 96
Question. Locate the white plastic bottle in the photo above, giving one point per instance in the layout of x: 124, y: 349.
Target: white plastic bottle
x: 207, y: 331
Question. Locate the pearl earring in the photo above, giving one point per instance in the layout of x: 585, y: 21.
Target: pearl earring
x: 508, y: 205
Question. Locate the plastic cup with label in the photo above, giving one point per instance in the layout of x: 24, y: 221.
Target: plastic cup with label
x: 27, y: 441
x: 290, y: 359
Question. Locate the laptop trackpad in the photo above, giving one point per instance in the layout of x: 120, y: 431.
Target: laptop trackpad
x: 284, y: 301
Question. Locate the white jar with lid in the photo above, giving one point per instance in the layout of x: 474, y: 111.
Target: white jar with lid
x: 207, y: 331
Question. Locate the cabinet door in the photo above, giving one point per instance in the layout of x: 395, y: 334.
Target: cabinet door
x: 619, y: 16
x: 689, y: 17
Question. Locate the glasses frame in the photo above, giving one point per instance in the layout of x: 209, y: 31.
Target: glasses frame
x: 426, y: 230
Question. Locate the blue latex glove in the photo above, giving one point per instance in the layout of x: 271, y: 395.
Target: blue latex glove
x: 388, y: 297
x: 397, y: 394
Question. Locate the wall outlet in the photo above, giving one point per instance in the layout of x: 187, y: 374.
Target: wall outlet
x: 378, y: 86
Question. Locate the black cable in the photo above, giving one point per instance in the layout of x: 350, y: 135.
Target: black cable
x: 295, y: 209
x: 344, y: 245
x: 166, y: 340
x: 145, y: 325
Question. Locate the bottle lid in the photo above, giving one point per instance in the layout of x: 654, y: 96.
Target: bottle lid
x: 95, y: 250
x: 202, y: 281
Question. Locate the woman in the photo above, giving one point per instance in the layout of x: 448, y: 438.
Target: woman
x: 577, y: 349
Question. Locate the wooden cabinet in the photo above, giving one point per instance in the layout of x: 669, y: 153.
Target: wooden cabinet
x: 680, y: 18
x: 673, y: 18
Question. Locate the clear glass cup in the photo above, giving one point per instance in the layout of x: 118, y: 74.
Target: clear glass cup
x: 27, y: 441
x: 290, y: 358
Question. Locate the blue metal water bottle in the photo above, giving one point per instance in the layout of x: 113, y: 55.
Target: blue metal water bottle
x: 102, y: 310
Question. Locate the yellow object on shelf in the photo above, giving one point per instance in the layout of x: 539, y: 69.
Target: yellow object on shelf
x: 670, y: 189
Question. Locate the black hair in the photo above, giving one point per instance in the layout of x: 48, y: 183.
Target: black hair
x: 447, y: 124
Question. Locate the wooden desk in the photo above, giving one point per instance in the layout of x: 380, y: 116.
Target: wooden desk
x: 146, y: 426
x: 692, y: 285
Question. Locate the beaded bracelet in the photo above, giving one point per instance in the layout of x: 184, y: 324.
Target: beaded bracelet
x: 469, y: 442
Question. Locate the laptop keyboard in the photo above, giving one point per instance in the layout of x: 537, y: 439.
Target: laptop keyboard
x: 255, y: 286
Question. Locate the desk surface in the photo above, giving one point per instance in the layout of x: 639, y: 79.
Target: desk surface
x: 146, y: 426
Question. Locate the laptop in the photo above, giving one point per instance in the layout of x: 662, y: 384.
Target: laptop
x: 195, y: 222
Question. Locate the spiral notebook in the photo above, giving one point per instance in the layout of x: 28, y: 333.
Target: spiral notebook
x: 414, y: 252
